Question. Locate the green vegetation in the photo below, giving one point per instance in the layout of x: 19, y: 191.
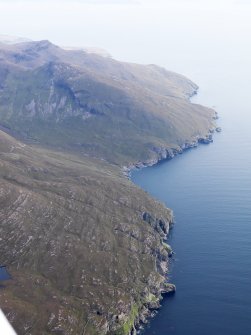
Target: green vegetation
x: 167, y: 247
x: 151, y: 298
x: 129, y: 324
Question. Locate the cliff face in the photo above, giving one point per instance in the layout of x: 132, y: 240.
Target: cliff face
x: 85, y: 247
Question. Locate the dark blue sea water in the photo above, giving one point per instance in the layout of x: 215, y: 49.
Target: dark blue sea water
x: 4, y: 275
x: 209, y: 189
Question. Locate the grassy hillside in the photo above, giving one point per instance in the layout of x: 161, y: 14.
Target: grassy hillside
x: 95, y: 105
x: 75, y: 241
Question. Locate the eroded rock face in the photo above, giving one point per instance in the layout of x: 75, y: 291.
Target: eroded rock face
x: 207, y: 139
x: 168, y: 289
x: 160, y: 225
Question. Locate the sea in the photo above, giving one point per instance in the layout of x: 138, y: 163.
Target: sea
x: 209, y: 190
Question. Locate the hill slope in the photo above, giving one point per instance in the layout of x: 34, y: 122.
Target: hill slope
x: 74, y: 100
x: 75, y: 242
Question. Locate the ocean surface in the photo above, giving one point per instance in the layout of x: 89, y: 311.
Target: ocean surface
x: 4, y: 275
x: 209, y: 189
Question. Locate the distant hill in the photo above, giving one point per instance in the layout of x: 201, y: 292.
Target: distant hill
x: 91, y: 50
x: 7, y: 39
x: 74, y: 100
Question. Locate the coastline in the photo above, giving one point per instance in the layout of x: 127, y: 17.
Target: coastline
x: 161, y: 154
x: 163, y: 288
x: 165, y: 153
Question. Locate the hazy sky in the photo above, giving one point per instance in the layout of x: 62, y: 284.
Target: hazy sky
x: 177, y: 34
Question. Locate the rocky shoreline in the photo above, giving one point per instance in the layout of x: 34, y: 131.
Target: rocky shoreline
x: 157, y: 283
x: 157, y: 289
x: 161, y: 154
x: 157, y: 286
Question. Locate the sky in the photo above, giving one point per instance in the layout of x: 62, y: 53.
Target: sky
x: 177, y: 34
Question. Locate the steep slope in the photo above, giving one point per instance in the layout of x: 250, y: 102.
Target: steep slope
x: 75, y: 241
x: 117, y: 111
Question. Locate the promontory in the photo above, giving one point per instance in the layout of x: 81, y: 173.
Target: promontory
x: 84, y: 246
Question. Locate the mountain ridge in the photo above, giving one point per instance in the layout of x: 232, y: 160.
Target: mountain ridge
x: 77, y: 95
